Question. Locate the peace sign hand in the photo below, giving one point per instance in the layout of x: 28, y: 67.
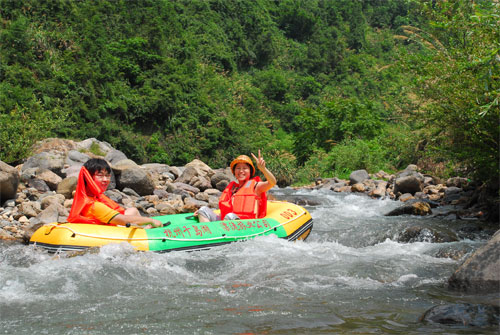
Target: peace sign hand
x: 261, y: 163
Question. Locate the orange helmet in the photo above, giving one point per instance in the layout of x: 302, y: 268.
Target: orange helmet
x: 242, y: 159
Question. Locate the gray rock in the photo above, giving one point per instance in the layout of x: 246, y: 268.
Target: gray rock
x: 136, y: 179
x: 104, y: 147
x: 407, y: 184
x: 129, y: 191
x: 114, y: 156
x: 49, y: 177
x: 30, y: 208
x: 358, y: 176
x: 414, y: 208
x: 481, y: 271
x: 67, y: 186
x: 39, y: 185
x: 9, y: 181
x: 76, y: 158
x: 51, y: 160
x: 470, y: 315
x: 186, y: 187
x: 220, y: 176
x: 160, y: 193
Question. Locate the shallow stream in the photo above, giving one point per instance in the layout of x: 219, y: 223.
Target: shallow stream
x: 351, y: 276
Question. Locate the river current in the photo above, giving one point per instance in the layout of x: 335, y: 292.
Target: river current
x: 351, y: 276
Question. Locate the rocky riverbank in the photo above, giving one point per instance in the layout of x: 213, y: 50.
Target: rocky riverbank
x: 40, y: 191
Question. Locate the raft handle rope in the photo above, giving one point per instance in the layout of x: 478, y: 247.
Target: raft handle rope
x: 223, y: 236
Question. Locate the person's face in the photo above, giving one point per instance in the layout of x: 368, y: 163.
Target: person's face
x: 242, y: 172
x: 102, y: 179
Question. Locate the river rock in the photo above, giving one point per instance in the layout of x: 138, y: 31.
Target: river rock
x: 87, y: 144
x: 38, y: 185
x: 358, y: 187
x: 30, y: 208
x: 471, y: 315
x: 425, y: 234
x: 49, y: 177
x: 114, y: 156
x: 415, y: 208
x: 218, y: 177
x: 407, y: 184
x: 76, y: 157
x: 136, y: 179
x: 408, y: 180
x: 358, y: 176
x: 481, y: 271
x: 51, y: 160
x: 9, y: 181
x: 67, y: 186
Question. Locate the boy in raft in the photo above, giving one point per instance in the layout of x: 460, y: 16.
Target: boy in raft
x: 90, y: 205
x: 246, y: 198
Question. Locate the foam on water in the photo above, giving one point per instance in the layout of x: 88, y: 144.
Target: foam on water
x: 350, y: 273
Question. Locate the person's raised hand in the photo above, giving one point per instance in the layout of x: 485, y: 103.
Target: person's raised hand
x: 261, y: 163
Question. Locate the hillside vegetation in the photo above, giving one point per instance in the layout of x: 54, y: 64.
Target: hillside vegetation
x: 322, y: 87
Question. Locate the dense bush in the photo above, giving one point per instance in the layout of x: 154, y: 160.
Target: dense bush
x: 321, y: 87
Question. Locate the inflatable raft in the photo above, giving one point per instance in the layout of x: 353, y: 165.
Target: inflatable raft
x: 179, y: 231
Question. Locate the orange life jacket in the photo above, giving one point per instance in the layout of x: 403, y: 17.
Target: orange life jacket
x: 244, y: 202
x: 88, y: 192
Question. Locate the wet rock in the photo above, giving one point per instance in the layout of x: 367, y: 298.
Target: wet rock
x: 9, y: 181
x: 426, y: 234
x: 358, y: 176
x: 471, y: 315
x: 415, y: 208
x: 481, y: 271
x: 405, y: 197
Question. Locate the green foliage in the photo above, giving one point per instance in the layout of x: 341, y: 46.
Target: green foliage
x: 457, y: 73
x: 96, y: 149
x: 21, y: 128
x: 321, y: 87
x: 334, y: 122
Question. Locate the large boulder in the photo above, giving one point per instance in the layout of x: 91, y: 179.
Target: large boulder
x: 51, y: 160
x: 76, y: 157
x: 93, y: 144
x: 197, y: 174
x: 9, y: 180
x: 114, y: 156
x: 413, y: 208
x: 136, y: 179
x: 408, y: 181
x: 358, y: 176
x: 480, y: 272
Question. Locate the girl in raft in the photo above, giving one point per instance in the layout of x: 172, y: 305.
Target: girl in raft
x: 90, y: 205
x: 246, y: 198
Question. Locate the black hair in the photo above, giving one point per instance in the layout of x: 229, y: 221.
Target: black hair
x: 95, y: 165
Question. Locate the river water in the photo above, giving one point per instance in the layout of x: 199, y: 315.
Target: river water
x: 351, y: 276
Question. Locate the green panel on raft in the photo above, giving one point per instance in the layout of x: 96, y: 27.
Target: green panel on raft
x: 185, y: 232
